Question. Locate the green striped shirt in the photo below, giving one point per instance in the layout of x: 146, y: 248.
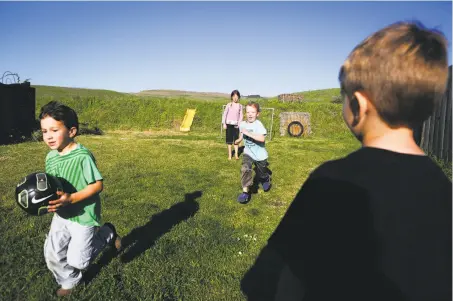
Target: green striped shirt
x: 76, y: 170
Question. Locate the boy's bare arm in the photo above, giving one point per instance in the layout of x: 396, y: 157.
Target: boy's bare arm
x: 71, y: 198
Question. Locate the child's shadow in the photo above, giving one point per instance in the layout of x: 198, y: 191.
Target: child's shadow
x: 240, y: 151
x: 142, y: 238
x: 256, y: 183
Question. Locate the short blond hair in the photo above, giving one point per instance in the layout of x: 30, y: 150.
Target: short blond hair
x: 402, y: 68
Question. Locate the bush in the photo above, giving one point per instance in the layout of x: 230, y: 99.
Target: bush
x: 36, y: 136
x: 337, y: 99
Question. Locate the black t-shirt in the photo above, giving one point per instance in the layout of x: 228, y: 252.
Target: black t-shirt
x: 375, y: 225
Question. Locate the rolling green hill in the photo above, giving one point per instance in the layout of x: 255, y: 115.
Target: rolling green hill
x: 110, y: 110
x: 55, y: 92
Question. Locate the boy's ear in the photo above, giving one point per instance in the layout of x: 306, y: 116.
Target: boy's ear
x: 72, y: 132
x: 360, y: 105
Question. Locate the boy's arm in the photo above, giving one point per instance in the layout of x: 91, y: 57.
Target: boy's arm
x: 256, y: 137
x: 91, y: 175
x: 72, y: 198
x: 259, y: 136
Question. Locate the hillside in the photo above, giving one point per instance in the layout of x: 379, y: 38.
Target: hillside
x: 56, y: 92
x: 179, y: 93
x: 110, y: 110
x: 324, y: 95
x: 320, y: 95
x: 114, y: 111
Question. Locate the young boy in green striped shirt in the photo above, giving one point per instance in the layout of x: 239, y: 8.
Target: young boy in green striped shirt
x: 75, y: 236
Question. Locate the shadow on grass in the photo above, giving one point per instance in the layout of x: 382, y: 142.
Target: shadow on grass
x: 240, y: 151
x: 142, y: 238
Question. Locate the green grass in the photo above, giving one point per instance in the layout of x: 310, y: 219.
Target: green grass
x: 55, y: 92
x: 130, y: 112
x: 445, y: 166
x: 324, y: 95
x: 193, y: 250
x: 198, y: 254
x: 211, y: 96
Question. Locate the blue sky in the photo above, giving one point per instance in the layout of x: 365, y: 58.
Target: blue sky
x: 264, y: 48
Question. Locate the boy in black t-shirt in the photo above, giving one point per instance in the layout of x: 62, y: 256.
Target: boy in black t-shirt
x: 376, y: 225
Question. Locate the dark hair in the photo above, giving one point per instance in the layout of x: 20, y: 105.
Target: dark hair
x: 402, y: 68
x: 235, y: 92
x: 60, y: 112
x: 255, y: 105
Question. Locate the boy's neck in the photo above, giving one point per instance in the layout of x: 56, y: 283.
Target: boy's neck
x: 400, y: 140
x: 69, y: 147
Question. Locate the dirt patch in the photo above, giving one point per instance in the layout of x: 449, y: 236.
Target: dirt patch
x: 277, y: 204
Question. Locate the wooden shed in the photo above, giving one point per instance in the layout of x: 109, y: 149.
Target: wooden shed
x: 436, y: 134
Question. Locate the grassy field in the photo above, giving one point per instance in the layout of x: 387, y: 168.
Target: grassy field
x: 54, y: 92
x: 188, y: 94
x: 173, y: 198
x: 171, y: 195
x: 119, y: 111
x: 325, y: 95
